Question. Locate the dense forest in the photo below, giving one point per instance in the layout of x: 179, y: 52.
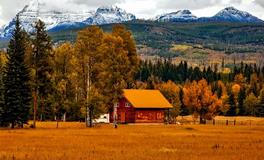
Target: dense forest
x: 83, y: 79
x: 241, y: 92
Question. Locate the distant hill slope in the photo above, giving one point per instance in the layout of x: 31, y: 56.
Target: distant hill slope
x: 160, y: 36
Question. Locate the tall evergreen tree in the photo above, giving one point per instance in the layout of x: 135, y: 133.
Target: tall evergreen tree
x: 17, y: 92
x: 232, y: 105
x: 241, y: 98
x: 3, y: 60
x: 42, y: 48
x: 260, y: 106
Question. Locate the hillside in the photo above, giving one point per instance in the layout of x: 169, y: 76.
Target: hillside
x: 159, y: 37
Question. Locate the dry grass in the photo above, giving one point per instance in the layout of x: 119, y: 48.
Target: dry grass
x: 147, y: 142
x: 180, y: 47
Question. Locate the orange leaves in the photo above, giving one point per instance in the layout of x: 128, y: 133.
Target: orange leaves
x: 236, y: 89
x: 172, y: 93
x: 199, y: 97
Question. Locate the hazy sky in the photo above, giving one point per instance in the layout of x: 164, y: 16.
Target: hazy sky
x: 141, y: 8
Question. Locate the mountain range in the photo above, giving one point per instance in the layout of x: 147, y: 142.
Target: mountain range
x: 229, y: 14
x: 56, y: 20
x: 60, y: 20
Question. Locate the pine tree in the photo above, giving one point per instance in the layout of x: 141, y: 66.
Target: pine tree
x: 17, y: 92
x: 41, y: 64
x: 232, y: 105
x: 260, y: 106
x: 241, y: 98
x: 3, y: 59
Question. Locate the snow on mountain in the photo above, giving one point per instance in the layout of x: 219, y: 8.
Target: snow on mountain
x: 103, y: 15
x: 112, y: 14
x: 181, y: 15
x: 55, y: 19
x: 231, y: 14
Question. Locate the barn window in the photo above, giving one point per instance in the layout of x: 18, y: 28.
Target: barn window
x: 127, y: 104
x: 116, y: 105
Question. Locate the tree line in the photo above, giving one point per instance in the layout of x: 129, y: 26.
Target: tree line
x: 41, y: 81
x: 206, y: 92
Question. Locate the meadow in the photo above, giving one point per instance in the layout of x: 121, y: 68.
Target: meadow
x: 147, y: 142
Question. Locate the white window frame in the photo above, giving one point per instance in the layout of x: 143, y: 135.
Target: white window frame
x: 127, y: 105
x: 116, y: 105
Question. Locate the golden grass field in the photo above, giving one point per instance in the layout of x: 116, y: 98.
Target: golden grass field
x: 134, y: 142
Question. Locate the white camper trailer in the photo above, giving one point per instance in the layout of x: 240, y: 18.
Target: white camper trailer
x: 104, y: 118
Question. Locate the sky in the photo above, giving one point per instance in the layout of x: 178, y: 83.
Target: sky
x: 141, y: 8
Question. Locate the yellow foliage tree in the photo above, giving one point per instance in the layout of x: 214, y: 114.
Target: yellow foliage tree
x: 172, y: 92
x: 86, y: 51
x: 235, y: 90
x: 199, y: 98
x: 129, y: 46
x: 62, y: 78
x: 112, y: 71
x: 223, y: 96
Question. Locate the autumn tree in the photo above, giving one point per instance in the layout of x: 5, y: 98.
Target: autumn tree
x: 239, y: 79
x: 199, y: 97
x: 88, y: 55
x: 222, y: 94
x: 251, y: 102
x: 184, y: 111
x: 254, y: 84
x: 17, y: 92
x: 112, y: 71
x: 62, y: 79
x: 129, y: 46
x: 233, y: 100
x: 172, y: 93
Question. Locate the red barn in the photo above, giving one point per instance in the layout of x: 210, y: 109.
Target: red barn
x: 141, y: 106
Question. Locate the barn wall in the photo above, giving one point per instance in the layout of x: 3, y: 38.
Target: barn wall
x: 133, y: 115
x: 149, y: 115
x: 128, y: 111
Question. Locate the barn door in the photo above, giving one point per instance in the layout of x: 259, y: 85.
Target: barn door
x: 123, y: 117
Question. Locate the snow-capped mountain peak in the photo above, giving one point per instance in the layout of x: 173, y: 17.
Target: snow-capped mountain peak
x: 59, y: 19
x: 177, y: 16
x: 111, y: 14
x: 234, y: 15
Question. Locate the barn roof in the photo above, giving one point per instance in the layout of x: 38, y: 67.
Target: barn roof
x: 140, y: 98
